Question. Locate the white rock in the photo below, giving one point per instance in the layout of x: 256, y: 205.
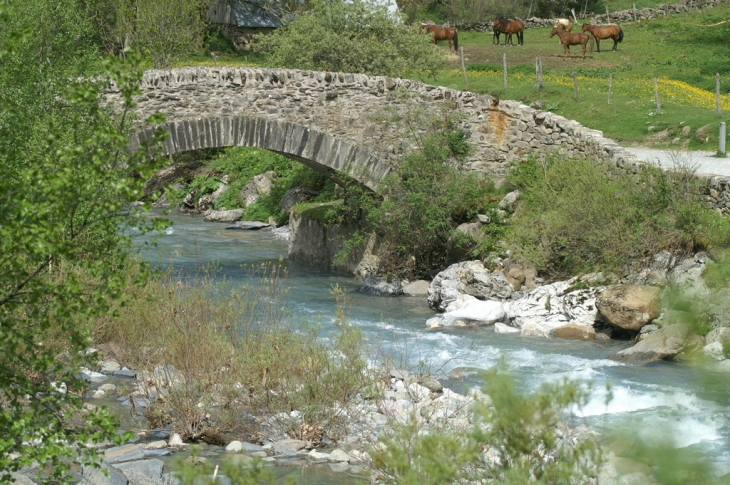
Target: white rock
x: 234, y: 447
x: 110, y: 366
x: 176, y: 440
x: 98, y: 394
x: 315, y: 455
x: 434, y: 322
x: 339, y: 455
x: 475, y: 312
x: 156, y: 445
x: 714, y: 350
x: 458, y: 303
x: 108, y: 387
x: 502, y: 328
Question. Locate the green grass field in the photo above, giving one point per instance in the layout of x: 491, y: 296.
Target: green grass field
x: 682, y: 51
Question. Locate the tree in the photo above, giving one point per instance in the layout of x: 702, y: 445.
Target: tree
x: 352, y: 36
x: 66, y: 188
x: 162, y: 30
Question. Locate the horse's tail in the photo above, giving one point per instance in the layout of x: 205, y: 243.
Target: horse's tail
x: 456, y: 39
x: 590, y: 39
x: 620, y: 35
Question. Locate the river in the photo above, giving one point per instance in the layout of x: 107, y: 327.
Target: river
x: 658, y: 402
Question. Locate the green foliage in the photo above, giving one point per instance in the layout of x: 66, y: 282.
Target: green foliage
x: 67, y: 187
x: 351, y: 36
x: 418, y: 207
x: 513, y: 439
x: 162, y: 30
x: 215, y: 41
x: 581, y: 216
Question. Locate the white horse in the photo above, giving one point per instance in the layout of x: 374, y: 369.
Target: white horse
x: 564, y: 24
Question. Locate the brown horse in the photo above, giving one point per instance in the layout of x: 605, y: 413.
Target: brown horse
x: 604, y: 32
x: 568, y: 39
x: 442, y: 33
x: 509, y: 27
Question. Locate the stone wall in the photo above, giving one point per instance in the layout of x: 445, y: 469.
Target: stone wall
x: 630, y: 15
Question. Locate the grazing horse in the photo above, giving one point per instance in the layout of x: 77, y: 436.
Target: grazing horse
x: 568, y: 39
x: 604, y: 32
x: 564, y: 24
x: 442, y: 33
x: 509, y: 27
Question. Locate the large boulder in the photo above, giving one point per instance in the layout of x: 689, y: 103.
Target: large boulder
x: 572, y: 331
x: 630, y: 306
x: 469, y: 278
x: 473, y: 313
x: 224, y: 216
x: 257, y: 187
x: 664, y: 344
x: 547, y: 307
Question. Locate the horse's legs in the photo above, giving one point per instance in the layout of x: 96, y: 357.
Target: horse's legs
x: 615, y: 43
x: 584, y: 49
x: 598, y: 45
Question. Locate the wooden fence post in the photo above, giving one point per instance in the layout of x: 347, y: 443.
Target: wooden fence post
x: 656, y: 95
x: 575, y: 86
x: 539, y: 82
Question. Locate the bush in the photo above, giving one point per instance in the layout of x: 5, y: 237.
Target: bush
x: 352, y: 36
x: 224, y: 351
x: 579, y: 216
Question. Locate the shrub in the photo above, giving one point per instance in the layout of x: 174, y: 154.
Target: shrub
x: 578, y: 215
x: 223, y: 351
x: 352, y: 36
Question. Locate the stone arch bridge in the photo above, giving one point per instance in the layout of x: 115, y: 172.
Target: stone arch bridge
x: 335, y: 122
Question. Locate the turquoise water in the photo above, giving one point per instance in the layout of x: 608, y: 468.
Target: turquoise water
x: 660, y: 402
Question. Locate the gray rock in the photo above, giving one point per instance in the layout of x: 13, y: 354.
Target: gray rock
x: 664, y: 344
x: 125, y: 373
x: 123, y: 453
x: 288, y: 446
x: 467, y: 278
x: 151, y: 468
x: 508, y: 201
x: 249, y: 225
x: 110, y: 366
x: 377, y: 285
x: 95, y: 476
x: 258, y: 186
x: 416, y: 288
x: 224, y: 216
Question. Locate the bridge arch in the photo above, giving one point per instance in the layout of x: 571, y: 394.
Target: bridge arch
x: 340, y: 160
x: 336, y: 122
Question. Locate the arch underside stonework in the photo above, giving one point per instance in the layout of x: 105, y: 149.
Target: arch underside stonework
x: 337, y: 159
